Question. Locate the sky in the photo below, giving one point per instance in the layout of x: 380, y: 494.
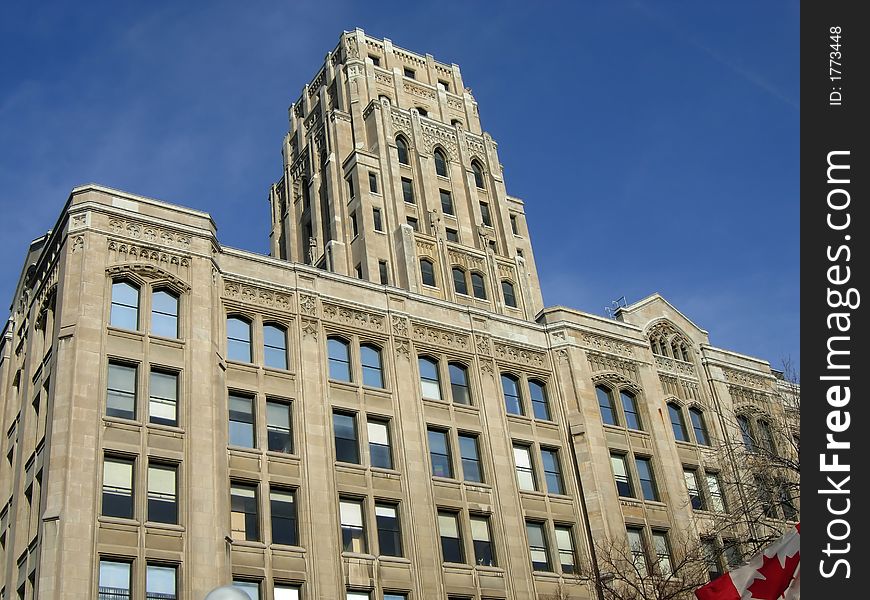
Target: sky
x: 655, y: 144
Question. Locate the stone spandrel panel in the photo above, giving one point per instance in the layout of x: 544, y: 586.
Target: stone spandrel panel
x: 253, y: 295
x: 600, y: 362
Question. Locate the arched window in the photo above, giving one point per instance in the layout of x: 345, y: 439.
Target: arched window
x: 629, y: 407
x: 699, y: 426
x: 678, y: 423
x: 538, y: 395
x: 746, y: 433
x: 675, y: 349
x: 459, y: 383
x: 654, y: 344
x: 684, y: 352
x: 430, y: 381
x: 478, y: 286
x: 510, y: 387
x: 606, y: 404
x: 478, y: 175
x: 507, y: 291
x: 125, y: 305
x: 766, y: 437
x: 427, y: 272
x: 459, y: 283
x: 402, y: 148
x: 440, y: 163
x: 239, y: 339
x: 339, y: 358
x: 372, y: 370
x: 164, y: 313
x: 275, y: 346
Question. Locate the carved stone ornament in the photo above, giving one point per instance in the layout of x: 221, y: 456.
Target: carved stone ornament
x: 149, y: 233
x: 400, y: 326
x: 78, y: 242
x: 353, y: 317
x: 309, y: 328
x: 747, y: 379
x: 441, y: 337
x: 150, y: 273
x: 524, y: 356
x: 128, y: 251
x: 607, y: 344
x: 606, y: 362
x: 251, y: 294
x: 482, y: 344
x: 308, y: 305
x: 403, y: 350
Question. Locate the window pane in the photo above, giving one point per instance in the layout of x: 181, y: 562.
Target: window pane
x: 339, y: 359
x: 114, y: 579
x: 379, y: 445
x: 427, y: 272
x: 241, y: 419
x: 525, y: 472
x: 478, y: 286
x: 118, y: 488
x: 439, y: 452
x: 346, y: 446
x: 565, y: 544
x: 162, y: 498
x: 663, y: 553
x: 352, y: 527
x: 373, y: 375
x: 402, y: 148
x: 160, y: 583
x: 553, y: 471
x: 389, y: 532
x: 647, y: 482
x: 717, y: 499
x: 125, y: 306
x: 746, y: 432
x: 430, y: 382
x: 478, y: 175
x: 451, y: 540
x: 695, y: 497
x: 636, y: 543
x: 699, y: 427
x: 275, y: 346
x: 251, y: 588
x: 440, y: 163
x: 678, y: 423
x: 164, y: 314
x: 278, y: 426
x: 538, y: 395
x: 407, y: 190
x: 605, y: 403
x: 629, y: 408
x: 244, y: 520
x: 484, y: 214
x: 446, y: 202
x: 358, y: 596
x: 620, y: 474
x: 162, y: 407
x: 459, y: 284
x: 283, y: 507
x: 507, y: 291
x: 121, y: 393
x: 286, y: 592
x: 470, y: 455
x: 538, y: 547
x: 238, y: 340
x: 511, y: 395
x: 459, y: 383
x: 482, y: 539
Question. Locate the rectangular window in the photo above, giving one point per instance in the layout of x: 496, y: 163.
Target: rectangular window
x: 358, y: 271
x: 358, y: 596
x: 470, y: 455
x: 552, y: 471
x: 354, y: 226
x: 389, y: 531
x: 379, y: 444
x: 407, y: 190
x: 414, y: 223
x: 118, y: 487
x: 162, y: 493
x: 525, y: 470
x: 378, y: 219
x: 451, y: 537
x: 481, y: 536
x: 251, y: 588
x: 160, y: 582
x: 392, y: 596
x: 446, y: 202
x: 663, y: 553
x: 514, y: 226
x: 124, y: 312
x: 373, y: 183
x: 282, y: 504
x: 538, y: 547
x: 121, y: 399
x: 445, y: 84
x: 647, y: 480
x: 286, y: 592
x: 164, y: 314
x: 638, y: 549
x: 620, y: 474
x: 376, y: 61
x: 409, y: 72
x: 696, y: 499
x: 484, y: 214
x: 242, y: 421
x: 452, y: 235
x: 163, y: 398
x: 279, y: 432
x: 383, y: 273
x: 275, y: 346
x: 350, y: 187
x: 565, y: 544
x: 353, y: 534
x: 244, y: 518
x: 717, y: 498
x: 346, y: 445
x: 711, y: 559
x: 114, y: 581
x: 439, y: 452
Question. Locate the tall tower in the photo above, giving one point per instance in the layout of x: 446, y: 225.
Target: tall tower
x: 388, y: 177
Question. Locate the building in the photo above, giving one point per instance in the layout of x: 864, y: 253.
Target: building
x: 382, y: 409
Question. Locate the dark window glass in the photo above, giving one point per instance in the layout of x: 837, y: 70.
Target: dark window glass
x: 446, y: 202
x: 482, y: 538
x: 160, y: 582
x: 540, y: 406
x: 346, y: 446
x: 389, y: 531
x: 238, y: 339
x: 244, y: 518
x: 552, y: 471
x: 511, y: 389
x: 470, y: 455
x: 478, y: 175
x: 118, y: 487
x: 478, y: 286
x: 678, y: 423
x: 789, y: 512
x: 451, y: 538
x: 372, y: 371
x: 402, y: 148
x: 415, y: 225
x: 125, y: 306
x: 717, y: 498
x: 121, y: 398
x: 241, y: 421
x: 409, y: 72
x: 565, y: 544
x: 765, y: 435
x: 459, y: 383
x: 354, y: 226
x: 711, y: 553
x: 163, y: 398
x: 373, y: 183
x: 663, y: 553
x: 459, y: 283
x: 629, y: 408
x: 377, y: 218
x: 282, y: 504
x: 164, y: 314
x: 376, y: 61
x: 427, y: 272
x: 746, y: 432
x: 620, y: 474
x: 114, y: 581
x: 430, y: 381
x: 484, y: 214
x: 353, y: 534
x: 647, y: 481
x: 379, y: 444
x: 275, y: 346
x: 452, y: 235
x: 339, y: 359
x: 350, y: 187
x: 696, y: 498
x: 278, y: 426
x: 538, y: 547
x: 514, y: 227
x: 162, y: 494
x: 358, y: 271
x: 440, y: 163
x: 699, y: 426
x: 638, y: 549
x: 408, y: 191
x: 507, y: 290
x: 439, y: 453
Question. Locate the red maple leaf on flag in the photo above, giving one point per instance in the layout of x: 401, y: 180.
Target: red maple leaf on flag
x: 777, y: 577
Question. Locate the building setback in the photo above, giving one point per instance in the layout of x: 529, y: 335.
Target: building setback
x: 381, y: 409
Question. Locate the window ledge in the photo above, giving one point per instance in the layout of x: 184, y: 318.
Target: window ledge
x: 524, y: 419
x: 155, y: 525
x: 247, y: 544
x: 546, y: 574
x: 490, y: 569
x: 135, y: 334
x: 277, y: 371
x: 122, y: 422
x: 288, y: 548
x: 379, y: 390
x: 454, y: 565
x: 656, y: 503
x: 359, y: 555
x: 170, y: 429
x: 349, y: 466
x: 384, y: 472
x: 478, y: 486
x: 446, y: 481
x: 287, y: 457
x: 394, y: 559
x: 430, y: 287
x: 243, y: 366
x: 466, y: 408
x: 533, y: 493
x: 350, y: 385
x: 167, y: 341
x: 243, y: 451
x: 118, y: 521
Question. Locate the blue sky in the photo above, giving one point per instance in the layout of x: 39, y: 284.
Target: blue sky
x: 667, y: 131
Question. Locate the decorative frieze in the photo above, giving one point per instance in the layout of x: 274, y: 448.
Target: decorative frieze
x: 607, y: 344
x: 403, y: 349
x: 438, y: 336
x: 309, y: 328
x: 516, y: 354
x: 383, y: 77
x: 400, y: 326
x: 475, y: 144
x: 743, y: 395
x: 436, y: 134
x: 670, y: 365
x: 124, y: 251
x: 251, y: 294
x: 506, y: 272
x: 150, y: 272
x: 401, y: 122
x: 308, y: 305
x: 482, y: 344
x: 746, y: 379
x: 469, y: 261
x: 149, y: 233
x: 455, y: 102
x: 425, y: 247
x: 599, y: 361
x: 354, y: 317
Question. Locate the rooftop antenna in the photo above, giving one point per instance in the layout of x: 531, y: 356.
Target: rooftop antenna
x: 615, y: 305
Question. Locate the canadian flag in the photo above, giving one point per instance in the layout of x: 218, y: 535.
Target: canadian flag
x: 775, y: 574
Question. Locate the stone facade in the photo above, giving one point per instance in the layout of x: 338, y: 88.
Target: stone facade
x: 67, y: 432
